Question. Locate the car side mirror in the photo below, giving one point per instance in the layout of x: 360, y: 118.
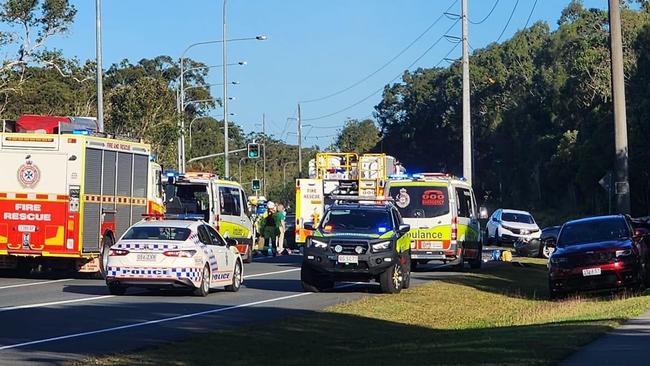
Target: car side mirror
x: 231, y: 242
x: 483, y: 213
x: 309, y: 226
x: 404, y: 228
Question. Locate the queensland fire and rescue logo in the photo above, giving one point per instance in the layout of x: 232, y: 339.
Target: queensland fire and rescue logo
x: 403, y: 199
x: 28, y: 174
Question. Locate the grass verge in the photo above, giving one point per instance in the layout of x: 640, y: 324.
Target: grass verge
x: 497, y: 316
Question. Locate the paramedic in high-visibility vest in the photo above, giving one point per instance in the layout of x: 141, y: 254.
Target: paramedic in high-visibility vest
x: 270, y: 228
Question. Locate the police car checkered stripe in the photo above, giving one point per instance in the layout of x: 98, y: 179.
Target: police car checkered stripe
x: 191, y: 273
x: 145, y: 246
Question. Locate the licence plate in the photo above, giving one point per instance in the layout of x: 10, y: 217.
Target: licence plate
x: 348, y: 259
x: 146, y: 257
x: 591, y: 272
x: 27, y: 228
x: 431, y: 245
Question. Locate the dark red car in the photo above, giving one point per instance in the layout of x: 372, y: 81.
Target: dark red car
x: 598, y: 253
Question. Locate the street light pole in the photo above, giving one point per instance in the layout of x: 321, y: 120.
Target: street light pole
x: 240, y: 177
x: 98, y: 50
x: 299, y: 143
x: 621, y: 185
x: 284, y: 172
x: 226, y: 165
x: 264, y: 153
x: 467, y: 124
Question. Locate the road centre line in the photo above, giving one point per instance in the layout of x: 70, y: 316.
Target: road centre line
x: 164, y: 320
x: 271, y: 273
x: 34, y: 283
x: 52, y: 303
x: 62, y: 302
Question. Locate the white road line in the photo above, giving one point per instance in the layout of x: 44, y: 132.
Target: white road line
x: 164, y: 320
x: 271, y: 273
x: 34, y: 283
x: 43, y: 304
x: 150, y: 322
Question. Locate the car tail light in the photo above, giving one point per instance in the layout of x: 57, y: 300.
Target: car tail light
x: 117, y: 252
x: 454, y: 228
x: 180, y: 253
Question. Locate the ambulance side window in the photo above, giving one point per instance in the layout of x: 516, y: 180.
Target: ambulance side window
x: 464, y: 202
x: 230, y: 201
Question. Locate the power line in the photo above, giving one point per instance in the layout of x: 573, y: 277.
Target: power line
x: 387, y: 63
x: 508, y: 22
x: 392, y: 80
x: 488, y: 15
x: 531, y: 14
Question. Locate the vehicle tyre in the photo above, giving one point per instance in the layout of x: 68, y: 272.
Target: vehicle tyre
x: 248, y: 257
x: 478, y: 262
x: 545, y: 250
x: 554, y: 295
x: 107, y: 243
x: 406, y: 272
x: 236, y: 278
x: 391, y: 280
x: 204, y: 288
x: 414, y: 265
x: 117, y: 290
x: 311, y: 282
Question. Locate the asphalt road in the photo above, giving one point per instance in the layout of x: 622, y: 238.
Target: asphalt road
x: 48, y: 320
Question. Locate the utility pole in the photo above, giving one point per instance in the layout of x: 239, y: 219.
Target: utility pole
x: 621, y: 184
x: 264, y: 155
x: 98, y: 50
x: 467, y: 124
x: 299, y: 143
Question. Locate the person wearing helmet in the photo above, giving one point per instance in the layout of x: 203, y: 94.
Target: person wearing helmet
x: 270, y: 228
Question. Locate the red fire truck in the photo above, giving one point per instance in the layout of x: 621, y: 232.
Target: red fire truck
x: 69, y: 193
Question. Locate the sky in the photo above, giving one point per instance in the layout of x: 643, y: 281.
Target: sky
x: 315, y: 48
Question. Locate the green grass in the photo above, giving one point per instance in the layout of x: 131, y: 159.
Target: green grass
x: 495, y: 316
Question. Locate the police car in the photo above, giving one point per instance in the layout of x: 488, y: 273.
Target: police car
x: 173, y: 253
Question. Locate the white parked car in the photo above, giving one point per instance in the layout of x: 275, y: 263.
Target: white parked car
x: 173, y: 253
x: 508, y: 226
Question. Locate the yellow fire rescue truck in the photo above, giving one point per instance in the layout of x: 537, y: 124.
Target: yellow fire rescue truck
x: 339, y: 174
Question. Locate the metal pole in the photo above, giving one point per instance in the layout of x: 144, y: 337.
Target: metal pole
x: 98, y: 49
x: 621, y: 184
x: 264, y: 154
x: 240, y: 160
x: 467, y: 124
x: 299, y: 143
x: 181, y: 143
x: 284, y: 172
x: 226, y: 167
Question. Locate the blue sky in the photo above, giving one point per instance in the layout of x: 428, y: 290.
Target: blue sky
x: 314, y: 48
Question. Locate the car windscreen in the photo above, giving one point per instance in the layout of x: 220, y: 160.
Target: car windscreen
x: 157, y: 233
x: 357, y: 220
x: 420, y: 201
x: 593, y: 231
x: 517, y: 217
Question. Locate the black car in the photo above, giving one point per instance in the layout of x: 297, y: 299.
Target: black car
x: 542, y: 247
x: 598, y: 253
x: 358, y: 242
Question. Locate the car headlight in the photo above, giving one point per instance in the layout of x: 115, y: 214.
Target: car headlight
x: 623, y: 253
x: 559, y: 260
x: 384, y: 245
x: 318, y: 244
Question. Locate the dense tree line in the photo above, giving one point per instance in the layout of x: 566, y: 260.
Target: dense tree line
x: 541, y: 113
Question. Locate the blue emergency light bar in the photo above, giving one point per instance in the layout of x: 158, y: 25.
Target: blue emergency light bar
x: 188, y: 216
x: 81, y: 132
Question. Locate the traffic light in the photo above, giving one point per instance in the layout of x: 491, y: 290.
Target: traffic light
x: 256, y: 184
x: 253, y: 150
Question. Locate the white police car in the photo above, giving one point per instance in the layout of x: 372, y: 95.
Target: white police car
x: 173, y: 253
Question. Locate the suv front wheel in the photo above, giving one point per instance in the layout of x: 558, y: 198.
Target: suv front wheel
x: 311, y: 282
x: 392, y: 279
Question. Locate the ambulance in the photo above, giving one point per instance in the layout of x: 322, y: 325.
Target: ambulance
x: 339, y: 174
x: 68, y: 193
x: 220, y: 203
x: 443, y: 215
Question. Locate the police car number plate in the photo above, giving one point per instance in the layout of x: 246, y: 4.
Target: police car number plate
x: 146, y: 257
x: 348, y: 259
x: 591, y: 272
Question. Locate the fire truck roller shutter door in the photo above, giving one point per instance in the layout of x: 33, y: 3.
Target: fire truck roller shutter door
x: 123, y: 196
x: 140, y: 185
x: 92, y: 185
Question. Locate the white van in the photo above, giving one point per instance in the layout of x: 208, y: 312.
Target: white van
x: 221, y: 203
x: 443, y: 215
